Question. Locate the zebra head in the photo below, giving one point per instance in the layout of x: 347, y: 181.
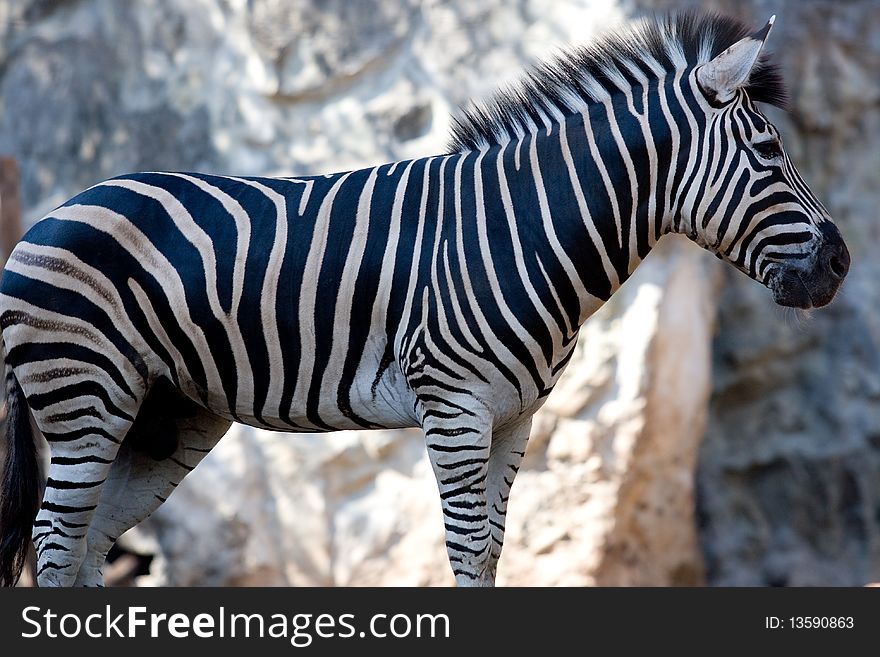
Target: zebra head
x: 748, y: 203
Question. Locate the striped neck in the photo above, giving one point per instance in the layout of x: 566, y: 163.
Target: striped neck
x: 584, y: 193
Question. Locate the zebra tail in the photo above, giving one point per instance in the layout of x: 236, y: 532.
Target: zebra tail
x: 20, y: 491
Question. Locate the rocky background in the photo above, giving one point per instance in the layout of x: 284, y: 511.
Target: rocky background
x: 700, y: 435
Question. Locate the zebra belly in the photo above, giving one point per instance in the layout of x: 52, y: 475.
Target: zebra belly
x: 376, y: 397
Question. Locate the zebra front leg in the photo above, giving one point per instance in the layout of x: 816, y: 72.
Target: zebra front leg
x: 139, y: 483
x: 458, y: 448
x: 508, y: 448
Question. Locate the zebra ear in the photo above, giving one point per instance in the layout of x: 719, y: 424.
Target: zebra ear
x: 728, y: 71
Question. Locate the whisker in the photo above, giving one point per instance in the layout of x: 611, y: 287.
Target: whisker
x: 798, y: 319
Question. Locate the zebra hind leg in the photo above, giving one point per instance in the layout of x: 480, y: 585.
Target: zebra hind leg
x: 83, y: 444
x: 171, y: 435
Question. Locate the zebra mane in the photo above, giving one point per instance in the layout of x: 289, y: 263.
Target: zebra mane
x: 552, y: 90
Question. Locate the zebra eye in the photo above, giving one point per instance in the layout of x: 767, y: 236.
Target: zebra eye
x: 768, y: 149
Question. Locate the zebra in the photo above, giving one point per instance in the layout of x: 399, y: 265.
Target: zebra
x: 149, y: 312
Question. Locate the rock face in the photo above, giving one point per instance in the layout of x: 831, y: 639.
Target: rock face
x: 787, y: 488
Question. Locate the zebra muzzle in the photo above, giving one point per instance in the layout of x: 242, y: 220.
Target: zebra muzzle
x: 815, y: 285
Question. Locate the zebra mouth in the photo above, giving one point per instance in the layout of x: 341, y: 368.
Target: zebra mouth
x: 790, y: 290
x: 814, y: 284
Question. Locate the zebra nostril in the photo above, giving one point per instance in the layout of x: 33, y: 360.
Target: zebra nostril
x: 838, y: 268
